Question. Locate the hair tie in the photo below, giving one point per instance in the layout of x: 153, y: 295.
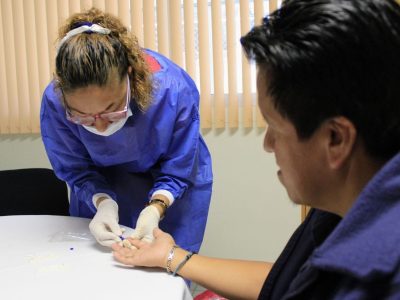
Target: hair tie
x: 79, y: 24
x: 86, y: 27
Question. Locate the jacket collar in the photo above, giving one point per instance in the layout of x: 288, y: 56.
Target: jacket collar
x: 366, y: 243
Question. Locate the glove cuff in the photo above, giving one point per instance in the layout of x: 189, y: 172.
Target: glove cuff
x: 162, y: 203
x: 154, y: 210
x: 97, y: 196
x: 108, y: 204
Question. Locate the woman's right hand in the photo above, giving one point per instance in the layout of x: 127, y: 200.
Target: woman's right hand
x: 146, y: 254
x: 104, y: 225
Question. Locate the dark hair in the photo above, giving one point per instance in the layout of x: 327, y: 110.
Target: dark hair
x: 326, y: 58
x: 87, y: 59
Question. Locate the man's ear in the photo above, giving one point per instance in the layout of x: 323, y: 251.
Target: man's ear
x: 341, y: 137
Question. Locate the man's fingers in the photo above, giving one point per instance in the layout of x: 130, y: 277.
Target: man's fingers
x: 127, y: 244
x: 127, y: 260
x: 116, y: 246
x: 137, y: 234
x: 137, y: 243
x: 148, y: 239
x: 157, y: 232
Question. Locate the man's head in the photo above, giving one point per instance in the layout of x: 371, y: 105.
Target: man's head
x: 329, y: 88
x: 327, y: 58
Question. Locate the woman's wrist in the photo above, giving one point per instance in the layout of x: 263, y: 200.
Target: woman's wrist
x: 161, y: 208
x: 161, y: 203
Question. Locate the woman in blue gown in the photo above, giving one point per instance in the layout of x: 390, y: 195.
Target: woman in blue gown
x: 120, y: 125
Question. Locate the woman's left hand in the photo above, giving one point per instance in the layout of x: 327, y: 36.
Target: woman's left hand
x: 147, y: 221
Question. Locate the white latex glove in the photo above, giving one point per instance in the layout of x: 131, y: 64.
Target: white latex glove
x: 147, y: 221
x: 104, y: 225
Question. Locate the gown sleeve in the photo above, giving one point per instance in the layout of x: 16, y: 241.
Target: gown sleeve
x: 67, y: 154
x: 177, y: 169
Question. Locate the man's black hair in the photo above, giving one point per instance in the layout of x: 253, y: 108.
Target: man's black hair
x: 326, y: 58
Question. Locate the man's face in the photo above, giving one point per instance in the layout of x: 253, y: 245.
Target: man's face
x: 300, y: 162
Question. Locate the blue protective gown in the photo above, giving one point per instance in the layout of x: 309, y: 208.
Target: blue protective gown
x: 158, y: 149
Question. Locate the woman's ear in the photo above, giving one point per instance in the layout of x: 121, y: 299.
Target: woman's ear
x: 341, y: 138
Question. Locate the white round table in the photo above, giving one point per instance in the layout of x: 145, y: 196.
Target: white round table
x: 56, y: 257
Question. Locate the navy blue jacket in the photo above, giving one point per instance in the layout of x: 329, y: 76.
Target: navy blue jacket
x: 359, y: 258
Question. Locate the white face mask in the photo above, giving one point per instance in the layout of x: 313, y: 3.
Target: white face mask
x: 112, y: 128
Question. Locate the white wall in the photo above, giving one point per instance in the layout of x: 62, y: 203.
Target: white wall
x: 250, y: 215
x: 22, y: 151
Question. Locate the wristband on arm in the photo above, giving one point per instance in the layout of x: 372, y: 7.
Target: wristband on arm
x: 182, y: 263
x: 171, y: 255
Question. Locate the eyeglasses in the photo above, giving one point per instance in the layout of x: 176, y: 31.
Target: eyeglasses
x: 114, y: 116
